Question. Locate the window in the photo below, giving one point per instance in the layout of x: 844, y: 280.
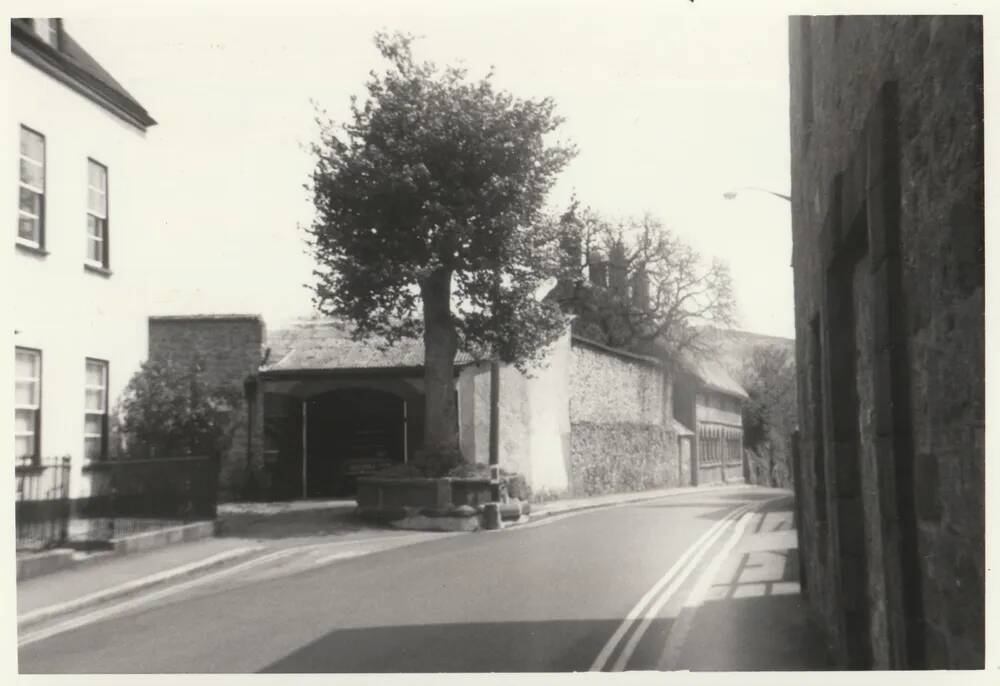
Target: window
x: 47, y: 30
x: 97, y: 214
x: 27, y: 403
x: 31, y: 193
x: 95, y: 431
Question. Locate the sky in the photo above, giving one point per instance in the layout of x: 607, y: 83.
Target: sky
x: 669, y: 109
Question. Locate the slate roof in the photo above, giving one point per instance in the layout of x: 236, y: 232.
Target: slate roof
x: 75, y: 67
x: 712, y: 374
x: 325, y: 344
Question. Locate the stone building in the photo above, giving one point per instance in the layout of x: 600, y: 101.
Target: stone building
x: 709, y: 403
x: 888, y: 229
x: 322, y: 409
x: 336, y: 408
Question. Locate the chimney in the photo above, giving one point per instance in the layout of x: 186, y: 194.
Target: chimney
x: 598, y: 268
x: 619, y: 271
x: 640, y: 290
x: 571, y: 258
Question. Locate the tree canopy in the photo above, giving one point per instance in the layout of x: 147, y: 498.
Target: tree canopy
x: 770, y: 414
x: 429, y: 218
x: 171, y: 410
x: 635, y: 284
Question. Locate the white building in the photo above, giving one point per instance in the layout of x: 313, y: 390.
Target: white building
x: 78, y: 276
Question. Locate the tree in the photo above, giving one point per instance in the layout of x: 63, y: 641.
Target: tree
x: 169, y: 410
x: 770, y: 415
x: 429, y: 221
x: 635, y: 284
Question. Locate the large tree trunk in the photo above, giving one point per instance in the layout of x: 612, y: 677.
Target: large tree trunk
x: 440, y: 346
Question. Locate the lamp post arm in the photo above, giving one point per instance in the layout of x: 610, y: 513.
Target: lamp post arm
x: 732, y: 194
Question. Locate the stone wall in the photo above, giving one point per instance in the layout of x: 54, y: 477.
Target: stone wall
x: 621, y: 436
x: 230, y: 349
x: 621, y: 457
x: 888, y: 230
x: 607, y: 387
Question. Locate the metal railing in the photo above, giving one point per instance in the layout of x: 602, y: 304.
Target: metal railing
x: 42, y: 505
x: 132, y: 496
x: 126, y: 497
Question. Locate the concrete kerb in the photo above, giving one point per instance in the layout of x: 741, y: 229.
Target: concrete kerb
x: 47, y: 562
x: 60, y: 559
x: 159, y: 538
x: 141, y: 584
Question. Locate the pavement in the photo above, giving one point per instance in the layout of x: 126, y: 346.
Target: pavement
x: 563, y: 505
x: 751, y: 615
x: 699, y: 580
x: 244, y: 530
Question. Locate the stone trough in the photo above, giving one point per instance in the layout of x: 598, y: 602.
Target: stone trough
x: 426, y: 504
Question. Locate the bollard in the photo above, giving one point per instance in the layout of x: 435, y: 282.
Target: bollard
x: 491, y: 516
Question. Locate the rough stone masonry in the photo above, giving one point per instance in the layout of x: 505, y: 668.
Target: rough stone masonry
x: 888, y: 236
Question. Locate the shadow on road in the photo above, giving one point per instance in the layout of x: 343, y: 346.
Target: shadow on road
x: 754, y: 616
x: 763, y: 633
x: 530, y: 646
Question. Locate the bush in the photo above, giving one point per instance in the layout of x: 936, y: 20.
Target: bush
x: 169, y: 410
x: 436, y: 463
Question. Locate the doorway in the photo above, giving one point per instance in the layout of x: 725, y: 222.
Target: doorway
x: 349, y: 433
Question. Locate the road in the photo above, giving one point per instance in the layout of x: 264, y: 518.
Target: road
x: 599, y: 589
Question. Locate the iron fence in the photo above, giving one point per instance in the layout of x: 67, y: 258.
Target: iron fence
x: 42, y: 505
x: 132, y: 496
x: 126, y: 497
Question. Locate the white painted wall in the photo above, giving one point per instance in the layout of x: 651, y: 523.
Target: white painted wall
x: 534, y: 417
x: 59, y: 307
x: 549, y: 423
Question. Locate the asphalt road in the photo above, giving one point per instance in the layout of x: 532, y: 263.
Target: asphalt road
x: 548, y: 596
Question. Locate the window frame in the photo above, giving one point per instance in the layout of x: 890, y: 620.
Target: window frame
x: 36, y: 407
x: 102, y: 221
x: 103, y: 413
x: 38, y: 244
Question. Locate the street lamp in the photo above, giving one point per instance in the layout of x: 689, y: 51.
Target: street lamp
x: 731, y: 194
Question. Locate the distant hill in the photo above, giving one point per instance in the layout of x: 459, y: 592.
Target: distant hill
x: 735, y: 347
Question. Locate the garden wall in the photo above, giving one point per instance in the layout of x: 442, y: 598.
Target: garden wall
x: 622, y: 436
